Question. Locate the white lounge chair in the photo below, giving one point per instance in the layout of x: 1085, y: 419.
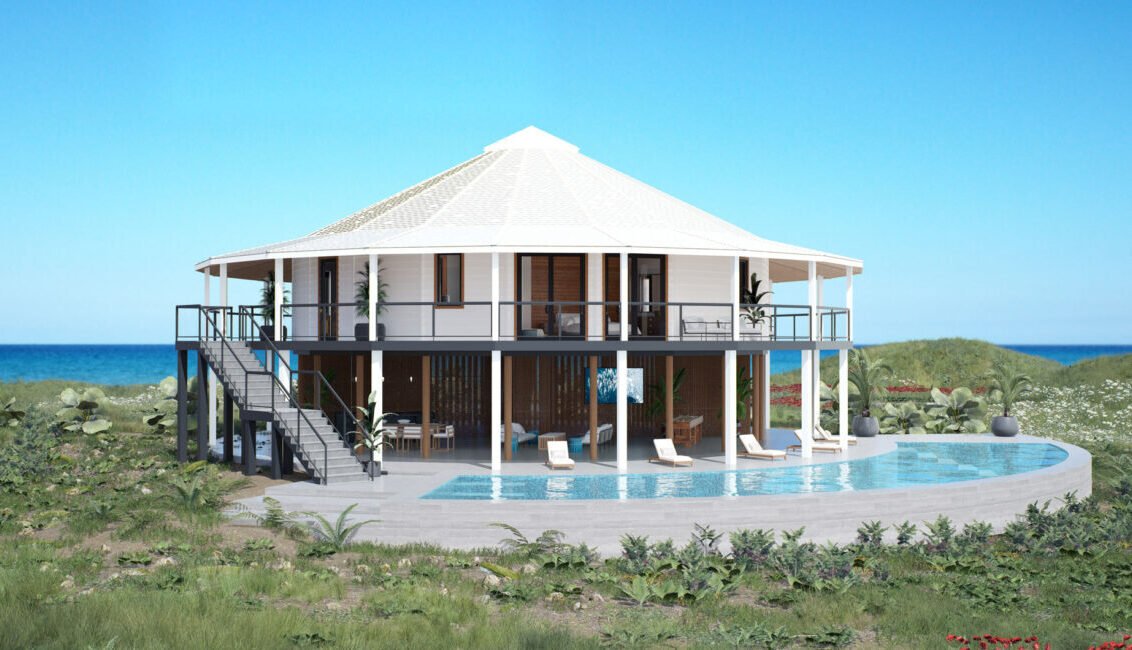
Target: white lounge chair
x: 821, y: 435
x: 831, y: 447
x: 752, y: 449
x: 666, y: 453
x: 604, y: 434
x: 519, y: 435
x: 558, y: 455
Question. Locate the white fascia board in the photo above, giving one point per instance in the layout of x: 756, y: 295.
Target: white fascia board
x: 822, y: 258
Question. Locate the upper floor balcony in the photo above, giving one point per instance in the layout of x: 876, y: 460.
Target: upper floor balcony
x: 533, y: 324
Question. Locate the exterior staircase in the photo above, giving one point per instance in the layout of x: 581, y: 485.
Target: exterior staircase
x: 309, y: 434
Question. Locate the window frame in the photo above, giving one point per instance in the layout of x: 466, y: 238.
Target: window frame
x: 439, y: 276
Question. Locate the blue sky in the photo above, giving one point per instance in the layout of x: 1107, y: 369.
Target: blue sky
x: 976, y: 157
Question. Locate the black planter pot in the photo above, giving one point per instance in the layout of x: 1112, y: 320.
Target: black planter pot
x: 1004, y: 426
x: 361, y: 331
x: 267, y: 333
x: 865, y: 427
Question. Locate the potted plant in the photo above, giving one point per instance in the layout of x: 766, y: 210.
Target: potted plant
x: 373, y: 441
x: 750, y: 298
x: 655, y: 408
x: 867, y: 376
x: 361, y: 298
x: 1008, y: 386
x: 267, y: 306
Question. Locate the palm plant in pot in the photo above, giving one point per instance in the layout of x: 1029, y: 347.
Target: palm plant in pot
x: 1007, y: 386
x: 751, y: 296
x: 267, y: 305
x: 372, y: 437
x: 867, y: 375
x: 361, y: 300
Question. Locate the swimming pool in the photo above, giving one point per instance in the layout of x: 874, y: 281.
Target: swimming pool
x: 911, y: 464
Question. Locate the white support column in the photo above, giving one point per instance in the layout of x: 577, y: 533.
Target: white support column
x: 495, y: 296
x: 374, y: 281
x: 807, y: 432
x: 376, y: 360
x: 212, y: 410
x: 623, y: 295
x: 496, y: 410
x: 843, y: 399
x: 223, y: 295
x: 623, y: 370
x: 277, y: 334
x: 729, y: 408
x: 849, y: 299
x: 818, y: 282
x: 735, y: 284
x: 808, y: 362
x: 622, y: 412
x: 766, y: 392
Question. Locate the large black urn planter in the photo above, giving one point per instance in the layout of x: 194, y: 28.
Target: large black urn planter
x: 865, y: 426
x: 1004, y: 426
x: 267, y: 333
x: 361, y: 331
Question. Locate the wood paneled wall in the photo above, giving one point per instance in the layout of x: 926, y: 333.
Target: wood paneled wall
x: 549, y: 390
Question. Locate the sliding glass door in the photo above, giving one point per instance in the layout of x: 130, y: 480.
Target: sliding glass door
x: 550, y: 290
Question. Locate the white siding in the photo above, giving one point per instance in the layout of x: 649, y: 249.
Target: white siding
x: 698, y: 279
x: 594, y: 285
x: 304, y: 291
x: 470, y: 321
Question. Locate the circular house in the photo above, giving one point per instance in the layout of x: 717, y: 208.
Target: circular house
x: 526, y: 300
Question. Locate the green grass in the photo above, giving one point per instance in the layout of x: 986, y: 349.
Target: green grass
x: 943, y: 362
x: 174, y: 574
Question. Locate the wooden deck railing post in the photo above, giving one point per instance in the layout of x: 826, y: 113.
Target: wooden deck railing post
x: 593, y: 407
x: 426, y: 405
x: 508, y: 414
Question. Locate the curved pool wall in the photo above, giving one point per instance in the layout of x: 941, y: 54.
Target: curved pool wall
x: 910, y: 464
x: 405, y: 517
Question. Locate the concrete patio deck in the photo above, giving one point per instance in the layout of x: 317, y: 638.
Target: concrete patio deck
x: 828, y: 516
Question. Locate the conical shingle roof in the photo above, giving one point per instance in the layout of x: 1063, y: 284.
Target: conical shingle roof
x: 532, y: 192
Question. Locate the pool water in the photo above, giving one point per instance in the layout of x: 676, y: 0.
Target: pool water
x: 911, y: 464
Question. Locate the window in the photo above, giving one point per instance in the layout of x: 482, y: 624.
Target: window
x: 450, y: 279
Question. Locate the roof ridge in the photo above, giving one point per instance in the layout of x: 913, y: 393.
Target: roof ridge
x: 589, y: 216
x: 495, y: 157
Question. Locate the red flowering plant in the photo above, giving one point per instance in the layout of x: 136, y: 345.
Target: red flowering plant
x: 991, y: 641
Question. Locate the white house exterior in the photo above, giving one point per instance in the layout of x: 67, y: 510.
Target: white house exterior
x: 527, y: 255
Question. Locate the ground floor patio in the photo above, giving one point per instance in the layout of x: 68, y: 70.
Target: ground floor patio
x: 395, y: 499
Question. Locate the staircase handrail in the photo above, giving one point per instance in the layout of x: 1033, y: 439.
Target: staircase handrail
x: 219, y: 336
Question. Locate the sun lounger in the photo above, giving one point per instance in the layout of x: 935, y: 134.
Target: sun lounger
x: 604, y: 434
x: 752, y: 449
x: 558, y: 456
x: 831, y: 447
x: 666, y: 453
x: 822, y: 435
x: 519, y: 435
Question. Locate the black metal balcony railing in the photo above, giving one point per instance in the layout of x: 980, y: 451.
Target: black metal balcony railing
x: 535, y: 320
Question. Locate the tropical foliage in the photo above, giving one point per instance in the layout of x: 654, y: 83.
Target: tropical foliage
x: 751, y: 296
x: 267, y: 298
x: 959, y: 411
x: 904, y: 417
x: 80, y: 411
x: 867, y: 376
x: 1008, y: 386
x: 361, y: 291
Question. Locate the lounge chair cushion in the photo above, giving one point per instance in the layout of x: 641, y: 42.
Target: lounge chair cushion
x: 558, y: 455
x: 666, y: 452
x: 753, y: 448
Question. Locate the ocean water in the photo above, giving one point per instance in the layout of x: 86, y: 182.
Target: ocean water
x: 912, y: 464
x: 149, y: 364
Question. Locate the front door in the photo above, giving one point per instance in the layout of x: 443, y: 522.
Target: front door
x: 327, y: 299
